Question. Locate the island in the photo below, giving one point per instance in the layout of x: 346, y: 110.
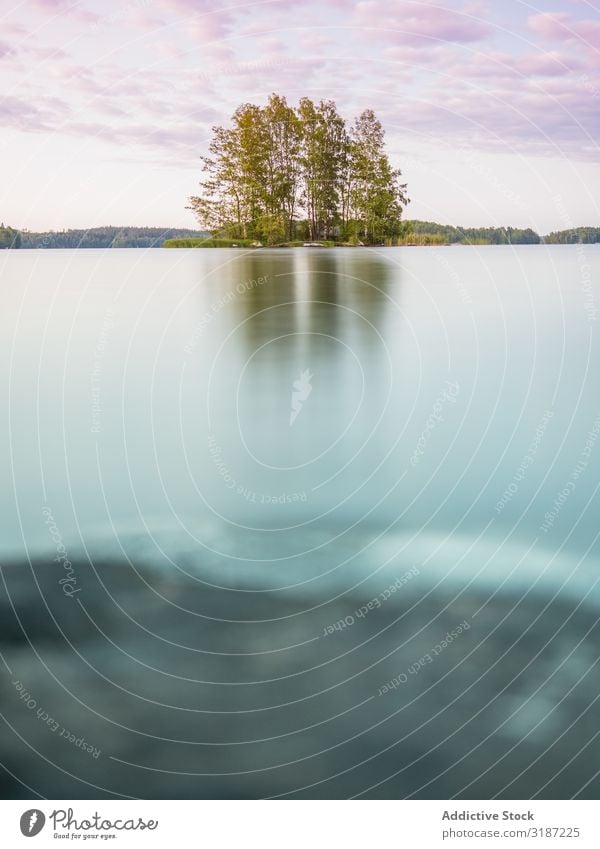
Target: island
x: 415, y: 233
x: 291, y: 175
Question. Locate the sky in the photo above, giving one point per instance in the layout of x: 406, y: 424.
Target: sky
x: 491, y: 107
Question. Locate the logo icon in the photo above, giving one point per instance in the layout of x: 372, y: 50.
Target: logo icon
x: 302, y: 389
x: 32, y: 822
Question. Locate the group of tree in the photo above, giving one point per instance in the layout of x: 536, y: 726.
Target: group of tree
x: 9, y: 238
x: 281, y: 173
x: 410, y: 232
x: 428, y: 232
x: 105, y: 237
x: 578, y: 235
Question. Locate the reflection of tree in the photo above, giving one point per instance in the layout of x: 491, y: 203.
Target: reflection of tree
x: 315, y: 312
x: 333, y: 293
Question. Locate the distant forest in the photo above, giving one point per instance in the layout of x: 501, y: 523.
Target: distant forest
x: 428, y: 232
x: 413, y: 233
x: 579, y: 235
x: 96, y: 237
x: 9, y: 238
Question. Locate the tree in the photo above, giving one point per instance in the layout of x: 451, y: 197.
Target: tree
x: 285, y: 143
x: 376, y: 196
x: 276, y: 163
x: 219, y: 207
x: 9, y: 238
x: 324, y: 154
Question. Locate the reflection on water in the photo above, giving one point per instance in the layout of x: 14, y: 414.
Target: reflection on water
x: 241, y: 450
x: 427, y: 372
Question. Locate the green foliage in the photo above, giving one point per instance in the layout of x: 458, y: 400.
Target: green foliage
x: 208, y: 243
x: 376, y: 197
x: 323, y: 243
x: 324, y: 158
x: 273, y: 230
x: 475, y: 235
x: 105, y: 237
x: 422, y: 239
x: 9, y: 238
x: 578, y: 235
x: 281, y: 174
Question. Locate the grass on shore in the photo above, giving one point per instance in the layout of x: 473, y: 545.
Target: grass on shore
x: 207, y: 243
x: 413, y: 239
x: 237, y: 243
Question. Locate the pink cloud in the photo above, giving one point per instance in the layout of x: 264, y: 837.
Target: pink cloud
x: 270, y: 46
x: 85, y: 16
x: 496, y: 66
x: 361, y: 54
x: 205, y: 27
x: 204, y: 20
x: 51, y: 6
x: 75, y: 10
x: 20, y: 114
x: 546, y: 64
x: 5, y: 49
x: 13, y: 28
x: 560, y: 26
x: 550, y: 25
x: 168, y: 49
x: 196, y: 7
x: 412, y: 22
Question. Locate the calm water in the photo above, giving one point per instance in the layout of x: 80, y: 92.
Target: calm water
x: 231, y: 458
x: 307, y: 416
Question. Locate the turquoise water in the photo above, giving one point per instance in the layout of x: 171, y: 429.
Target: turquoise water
x: 307, y: 416
x: 300, y: 523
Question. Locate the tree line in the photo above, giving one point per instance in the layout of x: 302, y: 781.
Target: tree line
x: 412, y: 232
x: 578, y: 235
x: 9, y: 238
x: 95, y: 237
x: 281, y: 173
x: 428, y: 232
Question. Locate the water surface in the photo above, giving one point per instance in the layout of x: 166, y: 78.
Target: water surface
x: 247, y: 492
x: 452, y: 394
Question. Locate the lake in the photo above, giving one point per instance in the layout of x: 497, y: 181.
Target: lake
x: 150, y: 395
x: 278, y: 435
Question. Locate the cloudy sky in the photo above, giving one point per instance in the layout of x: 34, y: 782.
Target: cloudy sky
x: 491, y: 107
